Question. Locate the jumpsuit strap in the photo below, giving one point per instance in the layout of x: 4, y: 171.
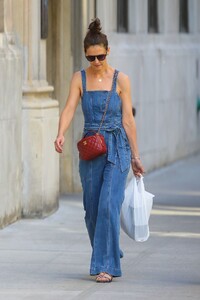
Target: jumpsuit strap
x: 83, y: 75
x: 115, y: 79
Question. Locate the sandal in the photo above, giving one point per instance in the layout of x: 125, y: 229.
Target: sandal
x: 104, y: 277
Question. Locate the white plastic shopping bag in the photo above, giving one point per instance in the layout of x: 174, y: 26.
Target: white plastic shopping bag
x: 136, y: 210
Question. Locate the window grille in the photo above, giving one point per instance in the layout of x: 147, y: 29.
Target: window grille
x: 122, y: 15
x: 152, y: 16
x: 183, y: 17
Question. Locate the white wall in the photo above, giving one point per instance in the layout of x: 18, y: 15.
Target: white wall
x: 164, y: 69
x: 165, y: 88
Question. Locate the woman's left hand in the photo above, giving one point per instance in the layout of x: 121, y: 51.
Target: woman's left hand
x: 137, y: 167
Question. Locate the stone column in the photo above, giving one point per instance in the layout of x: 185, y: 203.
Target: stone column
x: 198, y: 20
x: 39, y: 122
x: 107, y: 12
x: 10, y: 118
x: 137, y: 15
x: 193, y: 9
x: 168, y: 16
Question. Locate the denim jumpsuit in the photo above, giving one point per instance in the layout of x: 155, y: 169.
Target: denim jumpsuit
x: 103, y: 178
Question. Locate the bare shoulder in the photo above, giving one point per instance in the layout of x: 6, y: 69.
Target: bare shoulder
x: 122, y: 76
x: 76, y: 77
x: 123, y: 81
x: 76, y: 82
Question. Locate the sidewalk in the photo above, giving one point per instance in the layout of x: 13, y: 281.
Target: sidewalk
x: 49, y: 259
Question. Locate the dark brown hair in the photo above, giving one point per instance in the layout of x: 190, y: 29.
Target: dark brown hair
x: 94, y: 35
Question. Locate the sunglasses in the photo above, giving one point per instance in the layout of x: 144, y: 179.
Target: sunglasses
x: 100, y: 57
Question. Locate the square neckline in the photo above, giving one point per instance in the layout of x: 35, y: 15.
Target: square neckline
x: 107, y: 91
x: 84, y: 85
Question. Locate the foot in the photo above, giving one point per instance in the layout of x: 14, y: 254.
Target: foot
x: 104, y: 277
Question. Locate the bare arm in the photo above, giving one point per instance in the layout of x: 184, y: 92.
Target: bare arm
x: 129, y: 122
x: 69, y: 110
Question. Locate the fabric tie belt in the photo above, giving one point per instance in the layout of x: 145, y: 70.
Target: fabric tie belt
x: 117, y: 144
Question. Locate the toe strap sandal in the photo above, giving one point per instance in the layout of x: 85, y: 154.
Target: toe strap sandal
x: 104, y: 277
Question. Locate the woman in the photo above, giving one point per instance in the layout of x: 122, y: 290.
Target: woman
x: 103, y: 178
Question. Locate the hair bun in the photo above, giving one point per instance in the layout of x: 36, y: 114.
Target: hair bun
x: 95, y: 26
x: 94, y: 35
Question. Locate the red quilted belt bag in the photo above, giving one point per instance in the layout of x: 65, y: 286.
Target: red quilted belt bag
x: 94, y: 145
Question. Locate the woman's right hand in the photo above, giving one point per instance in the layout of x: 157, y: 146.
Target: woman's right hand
x: 59, y: 142
x: 137, y: 167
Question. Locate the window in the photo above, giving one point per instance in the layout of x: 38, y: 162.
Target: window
x: 183, y: 18
x: 152, y: 16
x: 44, y: 19
x: 122, y: 15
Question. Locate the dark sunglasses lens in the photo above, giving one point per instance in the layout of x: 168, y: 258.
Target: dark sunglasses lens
x: 100, y: 57
x: 90, y: 58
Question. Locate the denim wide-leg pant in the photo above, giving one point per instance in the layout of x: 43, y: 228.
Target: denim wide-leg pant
x: 103, y: 185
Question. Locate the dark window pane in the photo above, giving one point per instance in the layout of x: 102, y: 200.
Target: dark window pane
x: 183, y: 16
x: 122, y: 15
x: 44, y: 19
x: 152, y: 16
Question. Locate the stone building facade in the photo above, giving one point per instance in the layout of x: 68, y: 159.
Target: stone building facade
x: 155, y: 42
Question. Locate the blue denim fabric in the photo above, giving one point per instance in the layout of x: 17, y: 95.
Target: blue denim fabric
x: 104, y: 178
